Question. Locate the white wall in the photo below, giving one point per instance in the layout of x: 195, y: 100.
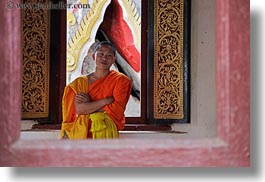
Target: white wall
x: 203, y: 94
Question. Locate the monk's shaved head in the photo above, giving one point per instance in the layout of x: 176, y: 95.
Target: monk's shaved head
x: 105, y: 43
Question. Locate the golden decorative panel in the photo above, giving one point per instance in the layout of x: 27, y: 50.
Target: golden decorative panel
x: 168, y: 59
x: 35, y: 63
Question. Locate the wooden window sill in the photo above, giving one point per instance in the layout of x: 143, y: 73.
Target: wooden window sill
x: 128, y: 127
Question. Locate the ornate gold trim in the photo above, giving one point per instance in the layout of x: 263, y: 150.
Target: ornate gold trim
x: 83, y: 34
x: 36, y: 61
x: 168, y: 59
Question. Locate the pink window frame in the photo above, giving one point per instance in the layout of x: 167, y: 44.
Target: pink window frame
x: 231, y: 146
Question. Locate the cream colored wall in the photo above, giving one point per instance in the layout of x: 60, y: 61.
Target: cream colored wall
x: 203, y: 104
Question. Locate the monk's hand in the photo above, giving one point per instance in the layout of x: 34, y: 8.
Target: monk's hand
x: 82, y: 97
x: 108, y: 100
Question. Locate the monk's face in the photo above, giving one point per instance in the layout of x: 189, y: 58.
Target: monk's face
x: 104, y: 57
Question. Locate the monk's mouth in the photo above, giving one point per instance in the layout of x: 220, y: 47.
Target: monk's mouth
x: 104, y: 63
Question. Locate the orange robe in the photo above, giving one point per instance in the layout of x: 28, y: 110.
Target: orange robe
x: 115, y: 84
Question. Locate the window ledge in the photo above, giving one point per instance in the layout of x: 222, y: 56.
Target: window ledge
x: 128, y: 127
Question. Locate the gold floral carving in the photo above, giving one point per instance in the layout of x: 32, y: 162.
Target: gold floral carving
x: 35, y: 63
x: 168, y: 59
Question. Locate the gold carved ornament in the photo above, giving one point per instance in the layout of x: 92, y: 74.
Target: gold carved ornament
x: 168, y: 59
x: 35, y: 63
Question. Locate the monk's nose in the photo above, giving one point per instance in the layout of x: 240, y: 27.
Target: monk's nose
x: 105, y: 57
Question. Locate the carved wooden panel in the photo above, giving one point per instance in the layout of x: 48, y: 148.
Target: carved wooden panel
x: 35, y: 63
x: 168, y: 59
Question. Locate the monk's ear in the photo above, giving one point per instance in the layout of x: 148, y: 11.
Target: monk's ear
x: 93, y: 56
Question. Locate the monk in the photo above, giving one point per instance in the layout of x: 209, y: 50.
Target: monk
x: 93, y: 105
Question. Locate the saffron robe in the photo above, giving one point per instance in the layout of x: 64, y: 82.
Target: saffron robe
x: 115, y: 84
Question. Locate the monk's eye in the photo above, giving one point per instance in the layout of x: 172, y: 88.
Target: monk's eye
x: 109, y: 56
x: 100, y: 54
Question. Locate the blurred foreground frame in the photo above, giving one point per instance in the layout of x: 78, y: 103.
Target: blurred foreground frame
x: 229, y: 148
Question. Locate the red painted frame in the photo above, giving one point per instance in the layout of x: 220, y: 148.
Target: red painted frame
x: 231, y: 146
